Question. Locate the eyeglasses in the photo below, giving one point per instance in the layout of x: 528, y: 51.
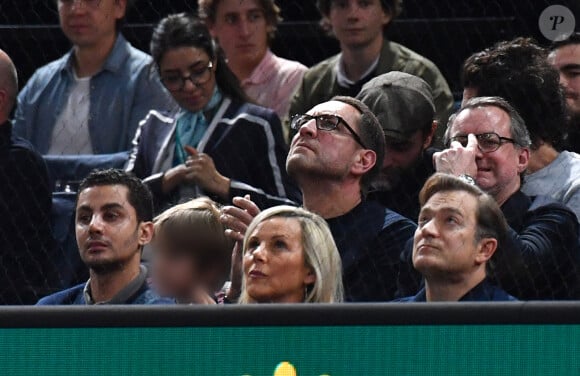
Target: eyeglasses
x: 486, y: 142
x: 89, y: 3
x: 324, y: 122
x: 176, y: 82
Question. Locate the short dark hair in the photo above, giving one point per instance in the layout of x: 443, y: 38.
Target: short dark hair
x: 491, y: 222
x: 393, y: 7
x: 207, y: 10
x: 574, y: 38
x: 183, y: 30
x: 519, y: 72
x: 138, y: 195
x: 371, y: 134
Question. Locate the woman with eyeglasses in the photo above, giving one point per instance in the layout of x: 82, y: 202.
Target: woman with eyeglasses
x: 218, y: 144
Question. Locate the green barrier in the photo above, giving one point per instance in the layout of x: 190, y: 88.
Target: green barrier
x: 293, y: 350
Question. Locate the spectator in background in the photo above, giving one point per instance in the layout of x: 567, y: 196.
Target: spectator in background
x: 26, y: 242
x: 90, y: 101
x: 113, y: 223
x: 191, y: 258
x: 459, y: 230
x: 289, y: 256
x: 217, y: 140
x: 488, y: 143
x: 245, y: 30
x: 334, y: 157
x: 518, y: 71
x: 404, y: 106
x: 565, y: 57
x: 365, y: 53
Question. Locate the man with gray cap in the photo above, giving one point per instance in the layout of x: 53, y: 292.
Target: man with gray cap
x: 404, y: 105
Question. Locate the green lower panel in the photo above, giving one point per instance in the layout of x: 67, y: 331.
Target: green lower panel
x: 257, y: 351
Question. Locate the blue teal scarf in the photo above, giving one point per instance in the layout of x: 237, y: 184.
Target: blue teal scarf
x: 191, y: 126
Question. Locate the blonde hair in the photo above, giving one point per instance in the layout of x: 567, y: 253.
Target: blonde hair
x: 320, y: 253
x: 194, y: 228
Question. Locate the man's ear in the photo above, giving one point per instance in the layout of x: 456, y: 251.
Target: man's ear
x: 428, y: 140
x: 120, y: 9
x: 387, y: 18
x: 523, y: 159
x: 4, y: 101
x: 145, y: 232
x: 365, y: 160
x: 487, y: 247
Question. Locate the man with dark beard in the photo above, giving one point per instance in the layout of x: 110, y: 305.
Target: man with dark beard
x: 404, y: 106
x: 113, y: 220
x: 565, y: 57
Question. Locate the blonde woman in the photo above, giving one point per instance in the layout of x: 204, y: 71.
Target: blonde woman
x: 289, y: 256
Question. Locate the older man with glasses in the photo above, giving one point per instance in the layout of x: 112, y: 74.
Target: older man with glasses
x: 488, y: 145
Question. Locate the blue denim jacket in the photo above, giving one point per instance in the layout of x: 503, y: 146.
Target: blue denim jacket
x: 122, y: 94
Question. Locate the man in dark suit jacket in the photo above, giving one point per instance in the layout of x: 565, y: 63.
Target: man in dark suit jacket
x: 26, y: 241
x: 459, y: 230
x: 488, y: 140
x: 336, y: 153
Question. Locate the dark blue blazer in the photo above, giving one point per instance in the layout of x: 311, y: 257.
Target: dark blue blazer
x: 483, y: 292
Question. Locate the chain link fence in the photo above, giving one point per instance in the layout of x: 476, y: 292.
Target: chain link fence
x: 444, y: 31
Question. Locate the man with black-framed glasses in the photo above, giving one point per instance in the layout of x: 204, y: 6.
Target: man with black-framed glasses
x: 90, y: 101
x: 488, y: 145
x: 336, y: 153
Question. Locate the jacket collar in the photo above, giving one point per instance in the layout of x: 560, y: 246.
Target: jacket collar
x: 264, y: 71
x: 113, y: 63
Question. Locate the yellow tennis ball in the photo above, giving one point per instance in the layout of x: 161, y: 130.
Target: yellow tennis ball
x: 285, y: 369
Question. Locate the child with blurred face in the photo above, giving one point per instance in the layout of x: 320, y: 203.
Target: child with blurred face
x: 191, y: 253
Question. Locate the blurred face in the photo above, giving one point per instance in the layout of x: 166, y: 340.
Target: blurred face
x: 192, y: 63
x: 241, y: 30
x: 445, y: 239
x: 401, y: 158
x: 498, y: 172
x: 108, y: 233
x: 173, y: 271
x: 567, y: 61
x: 88, y: 23
x: 325, y: 154
x: 275, y: 270
x: 357, y: 23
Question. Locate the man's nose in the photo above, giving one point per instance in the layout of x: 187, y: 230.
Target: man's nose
x: 308, y: 129
x: 244, y: 27
x: 96, y: 224
x: 429, y: 228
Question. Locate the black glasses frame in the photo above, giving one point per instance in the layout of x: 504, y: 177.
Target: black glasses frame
x: 299, y: 120
x: 480, y: 136
x: 193, y: 77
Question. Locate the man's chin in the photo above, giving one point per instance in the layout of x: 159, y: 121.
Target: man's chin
x: 103, y: 266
